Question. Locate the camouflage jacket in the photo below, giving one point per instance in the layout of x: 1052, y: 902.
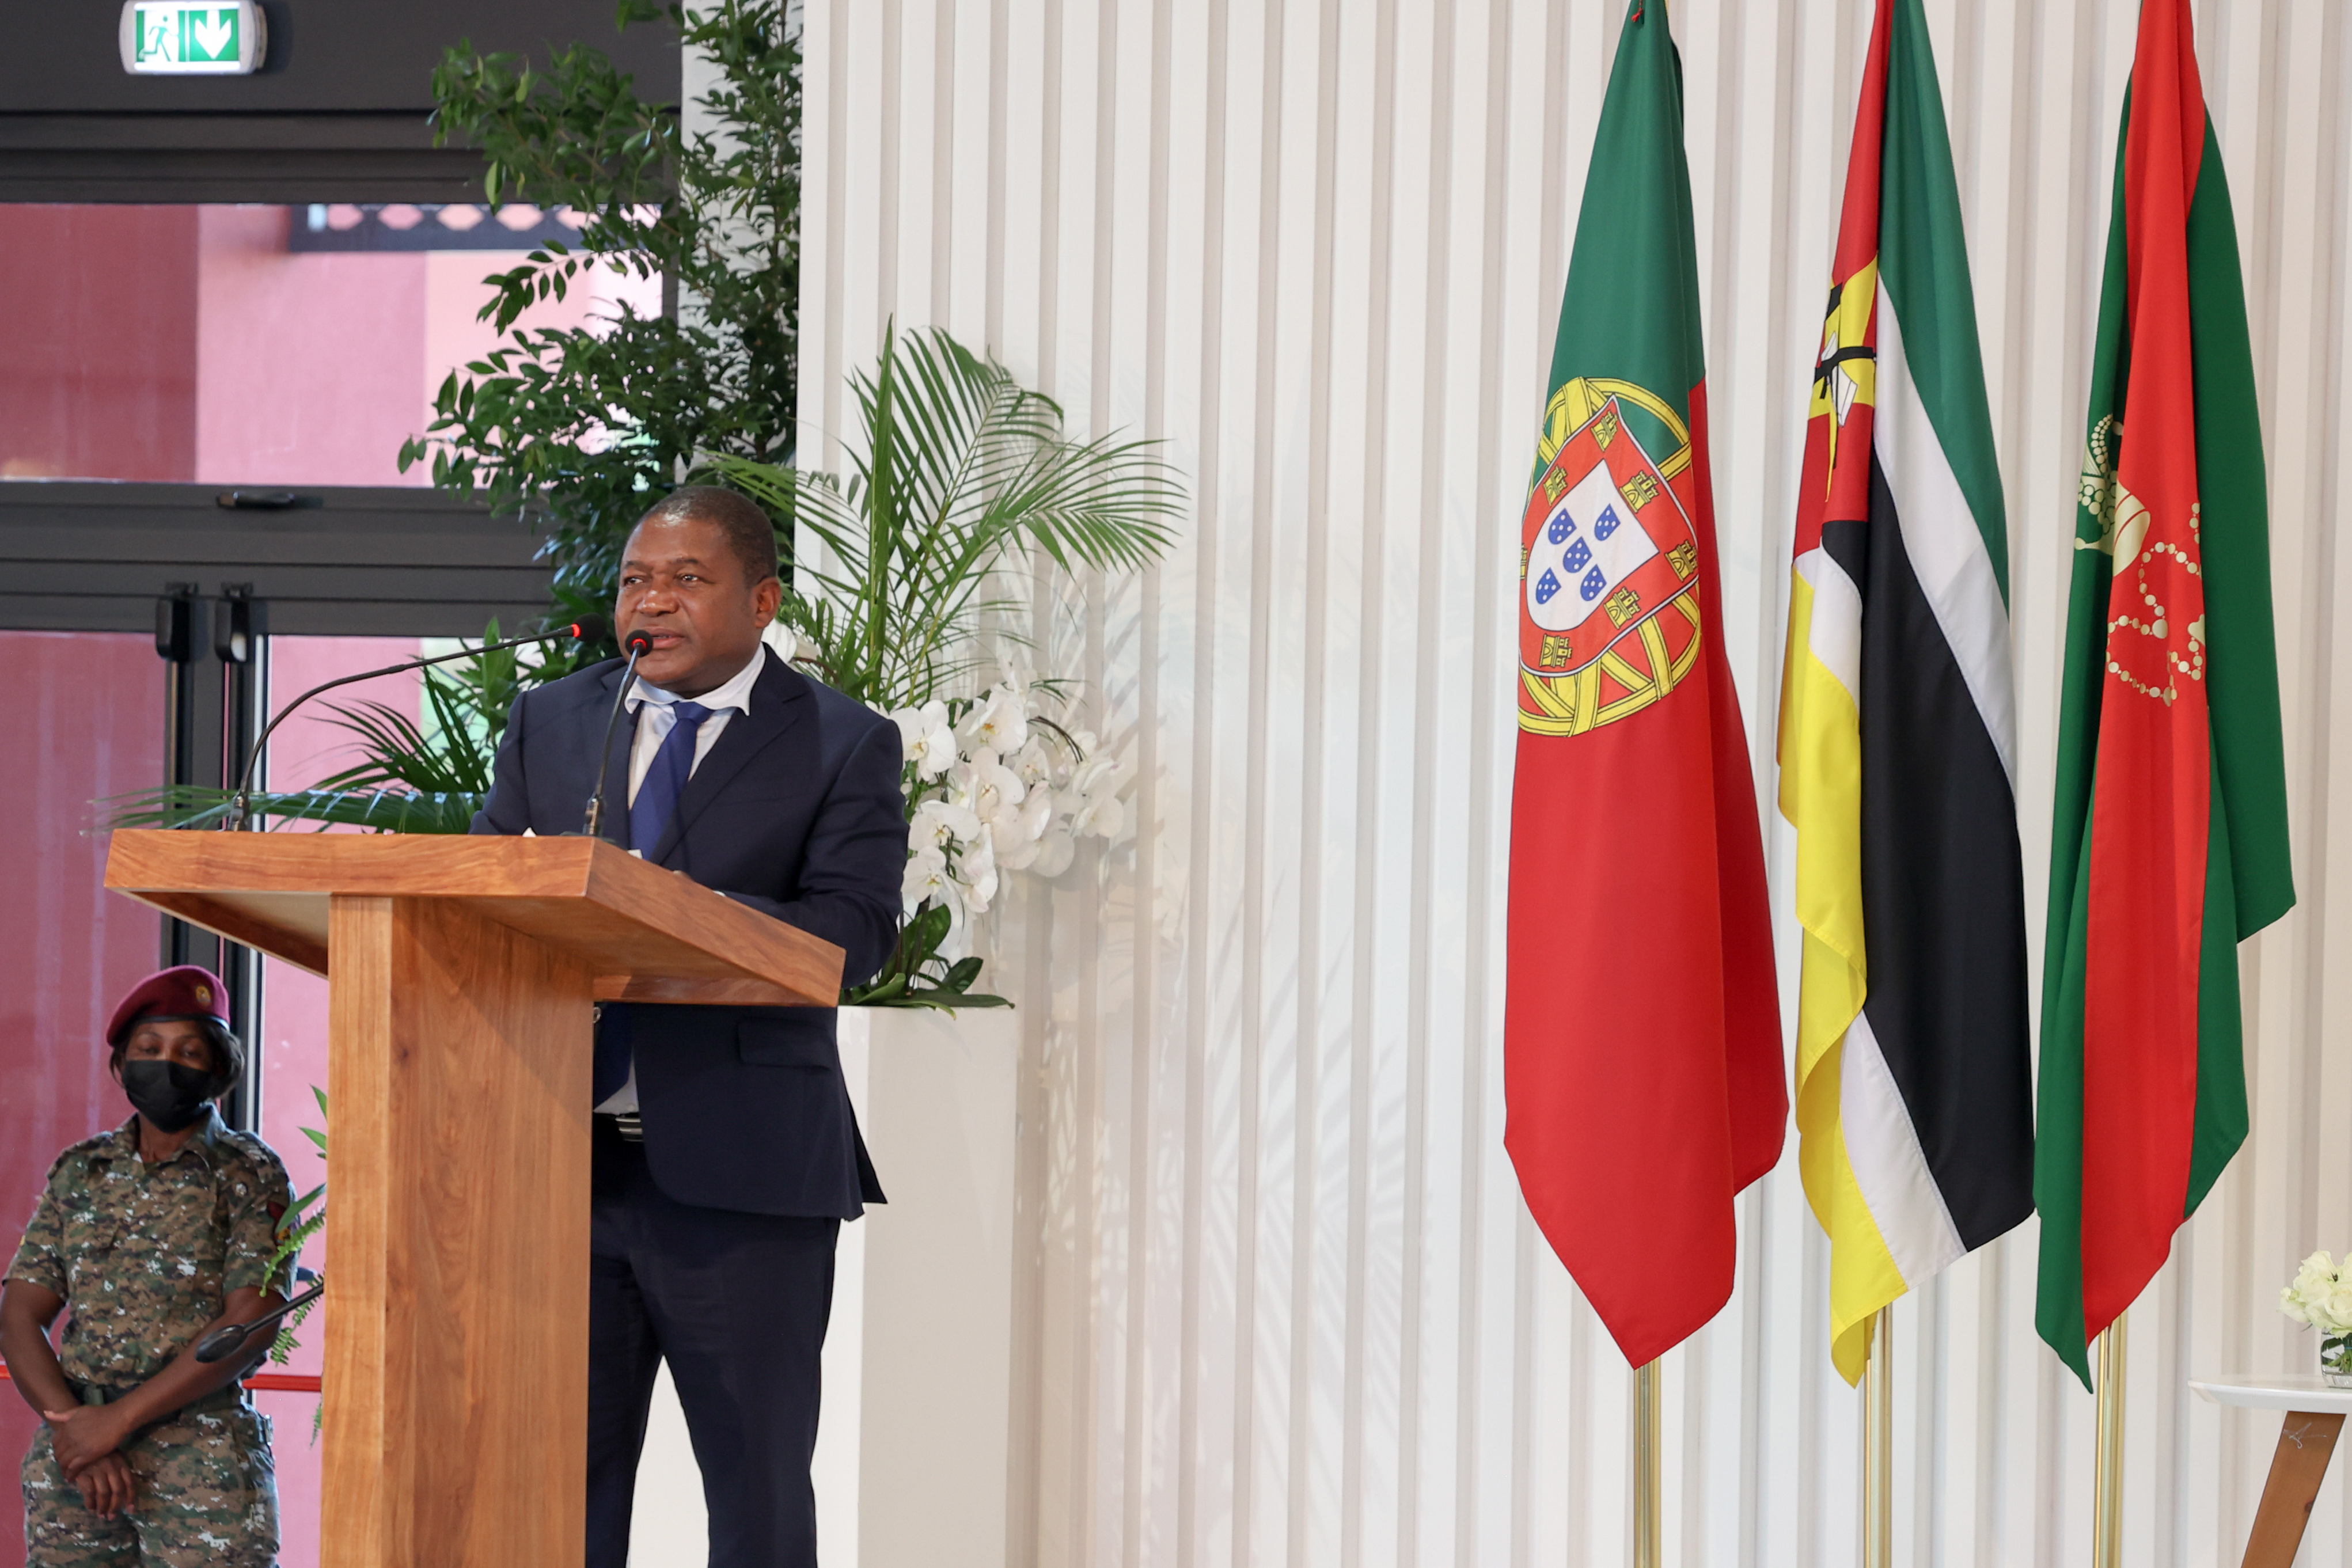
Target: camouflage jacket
x: 145, y: 1257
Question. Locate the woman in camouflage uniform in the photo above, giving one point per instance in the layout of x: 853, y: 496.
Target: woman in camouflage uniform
x: 154, y: 1234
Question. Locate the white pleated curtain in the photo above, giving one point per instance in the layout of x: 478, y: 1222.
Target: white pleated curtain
x: 1281, y: 1303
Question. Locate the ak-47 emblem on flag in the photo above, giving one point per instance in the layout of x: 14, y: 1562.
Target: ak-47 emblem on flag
x: 1610, y: 614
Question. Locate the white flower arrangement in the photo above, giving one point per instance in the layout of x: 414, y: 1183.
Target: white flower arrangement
x: 995, y: 785
x: 2321, y: 1296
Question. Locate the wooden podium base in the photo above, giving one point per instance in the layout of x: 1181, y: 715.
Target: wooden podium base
x: 459, y: 1187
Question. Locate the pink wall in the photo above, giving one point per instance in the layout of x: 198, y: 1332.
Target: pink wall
x: 309, y: 364
x: 187, y: 343
x: 91, y: 709
x: 100, y: 378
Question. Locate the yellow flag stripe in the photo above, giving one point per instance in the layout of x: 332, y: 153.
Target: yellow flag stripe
x: 1820, y: 795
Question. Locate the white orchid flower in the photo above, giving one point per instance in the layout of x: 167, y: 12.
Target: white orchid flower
x: 998, y: 721
x: 1017, y: 837
x: 1036, y: 762
x: 996, y: 790
x: 935, y: 753
x: 941, y: 825
x: 916, y: 722
x: 1102, y: 774
x: 977, y: 873
x: 925, y: 878
x: 1055, y: 850
x: 1100, y: 816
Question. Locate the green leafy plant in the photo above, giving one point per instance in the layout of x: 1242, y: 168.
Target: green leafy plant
x: 959, y: 473
x: 961, y: 481
x: 580, y: 427
x: 298, y: 1225
x: 303, y: 1219
x: 411, y: 778
x: 918, y: 976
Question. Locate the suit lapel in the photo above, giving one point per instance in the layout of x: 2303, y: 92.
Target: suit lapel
x: 780, y: 701
x: 616, y: 826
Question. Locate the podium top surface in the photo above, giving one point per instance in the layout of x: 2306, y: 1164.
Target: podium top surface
x: 647, y: 935
x: 2305, y: 1391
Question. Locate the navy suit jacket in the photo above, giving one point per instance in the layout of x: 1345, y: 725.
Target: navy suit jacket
x: 795, y: 811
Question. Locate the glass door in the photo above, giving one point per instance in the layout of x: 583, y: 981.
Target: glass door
x: 257, y: 350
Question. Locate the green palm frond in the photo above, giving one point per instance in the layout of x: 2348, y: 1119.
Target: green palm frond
x: 378, y: 810
x: 961, y: 471
x: 412, y: 777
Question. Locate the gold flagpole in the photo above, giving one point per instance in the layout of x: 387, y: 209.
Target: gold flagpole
x: 1878, y: 1445
x: 1649, y: 1543
x: 2107, y: 1492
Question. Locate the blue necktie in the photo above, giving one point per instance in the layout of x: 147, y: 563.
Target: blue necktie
x: 649, y: 815
x: 664, y: 781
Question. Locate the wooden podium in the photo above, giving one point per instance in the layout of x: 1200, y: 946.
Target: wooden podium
x: 463, y: 971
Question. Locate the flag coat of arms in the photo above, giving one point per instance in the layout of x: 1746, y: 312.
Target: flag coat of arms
x: 1643, y: 1067
x: 2169, y: 842
x: 1898, y: 746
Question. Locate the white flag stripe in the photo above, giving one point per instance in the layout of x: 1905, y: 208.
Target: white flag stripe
x: 1834, y: 635
x: 1889, y: 1165
x: 1940, y: 536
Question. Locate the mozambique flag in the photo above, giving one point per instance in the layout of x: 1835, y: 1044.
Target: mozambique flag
x: 1899, y: 736
x: 2169, y: 844
x: 1642, y: 1035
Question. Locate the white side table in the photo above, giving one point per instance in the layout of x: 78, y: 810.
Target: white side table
x: 2314, y: 1415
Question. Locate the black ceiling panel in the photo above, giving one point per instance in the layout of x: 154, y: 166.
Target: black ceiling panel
x: 326, y: 56
x: 336, y: 114
x: 78, y: 556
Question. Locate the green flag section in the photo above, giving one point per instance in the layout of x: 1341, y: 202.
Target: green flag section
x: 2170, y: 843
x: 1899, y: 736
x: 1642, y: 1033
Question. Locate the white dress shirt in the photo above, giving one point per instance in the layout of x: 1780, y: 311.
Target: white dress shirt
x: 656, y: 716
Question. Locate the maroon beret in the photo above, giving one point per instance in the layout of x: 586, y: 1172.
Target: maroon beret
x: 186, y: 991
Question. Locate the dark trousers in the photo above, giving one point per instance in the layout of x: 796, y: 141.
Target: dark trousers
x: 737, y: 1304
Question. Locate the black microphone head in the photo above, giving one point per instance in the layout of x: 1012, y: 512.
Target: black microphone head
x: 638, y: 642
x: 591, y: 628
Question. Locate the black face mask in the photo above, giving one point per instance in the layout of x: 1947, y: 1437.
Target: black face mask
x: 171, y: 1095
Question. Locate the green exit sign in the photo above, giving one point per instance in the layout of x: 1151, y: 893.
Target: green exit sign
x: 177, y: 37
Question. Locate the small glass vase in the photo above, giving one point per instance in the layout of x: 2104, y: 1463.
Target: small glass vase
x: 2335, y: 1360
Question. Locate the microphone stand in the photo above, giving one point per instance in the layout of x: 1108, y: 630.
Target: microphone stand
x: 637, y: 643
x: 240, y: 805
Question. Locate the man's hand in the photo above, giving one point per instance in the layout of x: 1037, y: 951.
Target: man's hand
x: 107, y: 1485
x: 85, y: 1435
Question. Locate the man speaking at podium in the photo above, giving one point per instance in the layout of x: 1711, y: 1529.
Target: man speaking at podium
x: 726, y: 1152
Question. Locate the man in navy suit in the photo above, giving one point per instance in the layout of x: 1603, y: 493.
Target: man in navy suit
x: 727, y: 1154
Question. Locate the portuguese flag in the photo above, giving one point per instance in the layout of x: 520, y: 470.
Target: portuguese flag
x: 1899, y: 736
x: 2169, y: 845
x: 1642, y: 1031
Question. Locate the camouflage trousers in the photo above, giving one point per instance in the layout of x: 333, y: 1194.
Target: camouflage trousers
x: 205, y: 1497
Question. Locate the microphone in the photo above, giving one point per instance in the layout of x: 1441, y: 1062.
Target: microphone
x: 224, y: 1341
x: 633, y: 645
x: 587, y: 629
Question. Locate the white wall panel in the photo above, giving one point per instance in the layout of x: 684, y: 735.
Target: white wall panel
x: 1280, y: 1302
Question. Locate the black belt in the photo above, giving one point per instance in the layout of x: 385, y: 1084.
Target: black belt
x: 224, y: 1398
